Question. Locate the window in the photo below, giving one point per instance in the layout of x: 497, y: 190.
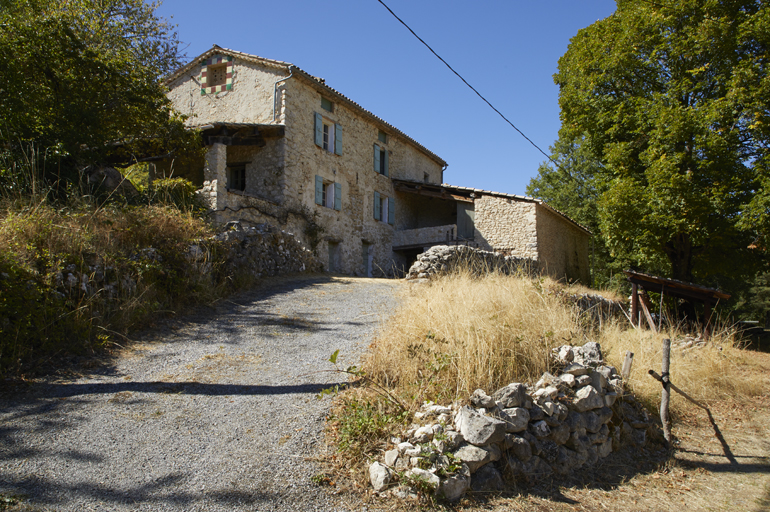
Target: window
x: 216, y: 74
x: 384, y: 208
x: 380, y: 160
x: 327, y: 105
x: 328, y: 194
x: 236, y: 177
x: 328, y: 135
x: 382, y: 137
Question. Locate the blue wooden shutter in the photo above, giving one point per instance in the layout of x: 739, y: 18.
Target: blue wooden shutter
x: 319, y: 190
x: 319, y: 130
x: 376, y: 158
x: 337, y: 196
x: 338, y: 139
x: 385, y: 170
x: 391, y: 211
x: 377, y: 205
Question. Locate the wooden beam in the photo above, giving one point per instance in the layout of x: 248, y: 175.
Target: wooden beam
x: 634, y: 304
x: 645, y: 300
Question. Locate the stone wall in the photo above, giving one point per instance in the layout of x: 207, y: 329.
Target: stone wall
x: 521, y: 433
x: 441, y: 259
x: 507, y: 225
x: 562, y: 247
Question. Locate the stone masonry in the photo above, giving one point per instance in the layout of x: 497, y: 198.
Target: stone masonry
x: 519, y: 433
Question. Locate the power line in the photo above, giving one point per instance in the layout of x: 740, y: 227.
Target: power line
x: 466, y: 83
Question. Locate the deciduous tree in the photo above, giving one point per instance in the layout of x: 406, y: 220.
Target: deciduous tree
x: 82, y: 78
x: 673, y: 97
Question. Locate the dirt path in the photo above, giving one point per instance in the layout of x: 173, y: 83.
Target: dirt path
x: 216, y: 412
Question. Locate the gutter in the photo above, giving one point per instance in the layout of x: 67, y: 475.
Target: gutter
x: 275, y: 88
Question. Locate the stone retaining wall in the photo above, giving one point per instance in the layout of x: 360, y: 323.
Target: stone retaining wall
x: 519, y: 433
x: 441, y: 259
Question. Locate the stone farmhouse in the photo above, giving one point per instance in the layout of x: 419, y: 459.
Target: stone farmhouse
x: 286, y: 149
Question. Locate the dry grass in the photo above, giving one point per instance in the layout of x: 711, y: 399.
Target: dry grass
x: 459, y: 333
x: 35, y: 231
x: 716, y: 371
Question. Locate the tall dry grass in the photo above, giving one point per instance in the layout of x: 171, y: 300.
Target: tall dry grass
x: 719, y: 369
x: 459, y: 333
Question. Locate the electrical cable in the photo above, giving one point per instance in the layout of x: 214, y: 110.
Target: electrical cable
x: 466, y: 83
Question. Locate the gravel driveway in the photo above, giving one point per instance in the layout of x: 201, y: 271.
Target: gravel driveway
x: 214, y: 412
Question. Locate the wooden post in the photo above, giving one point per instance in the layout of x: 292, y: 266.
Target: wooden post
x: 634, y: 304
x: 645, y: 302
x: 627, y: 362
x: 706, y: 319
x: 666, y: 393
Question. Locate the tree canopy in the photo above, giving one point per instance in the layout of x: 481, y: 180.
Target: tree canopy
x: 82, y: 79
x: 673, y: 98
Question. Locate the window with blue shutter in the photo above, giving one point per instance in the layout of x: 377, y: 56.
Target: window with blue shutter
x: 338, y: 139
x: 319, y: 190
x: 319, y: 130
x: 384, y: 165
x: 337, y: 196
x: 391, y: 211
x: 377, y: 205
x: 380, y: 160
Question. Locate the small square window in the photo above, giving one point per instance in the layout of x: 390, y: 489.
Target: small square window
x: 382, y: 137
x: 327, y: 105
x: 217, y: 74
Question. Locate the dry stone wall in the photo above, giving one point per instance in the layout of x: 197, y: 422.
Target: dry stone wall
x: 441, y: 259
x: 518, y: 433
x: 258, y: 251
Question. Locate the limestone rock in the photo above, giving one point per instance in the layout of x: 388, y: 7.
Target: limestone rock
x: 473, y: 456
x: 481, y: 399
x: 512, y: 395
x: 540, y: 429
x: 453, y: 487
x: 426, y: 477
x: 521, y: 448
x: 516, y: 419
x: 576, y: 369
x: 391, y: 456
x: 587, y: 398
x: 380, y: 476
x: 560, y: 433
x: 487, y: 479
x: 477, y: 429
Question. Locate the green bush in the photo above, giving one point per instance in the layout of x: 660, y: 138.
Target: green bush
x: 177, y: 192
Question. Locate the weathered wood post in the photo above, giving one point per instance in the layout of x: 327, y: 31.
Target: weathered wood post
x: 625, y: 373
x: 634, y: 305
x: 666, y: 393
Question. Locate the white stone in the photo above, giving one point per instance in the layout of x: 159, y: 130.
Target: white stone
x: 379, y: 476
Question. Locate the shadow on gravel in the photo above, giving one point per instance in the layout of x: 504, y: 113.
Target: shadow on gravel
x: 161, y: 490
x: 182, y: 388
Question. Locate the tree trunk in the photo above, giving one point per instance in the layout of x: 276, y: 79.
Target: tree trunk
x: 679, y: 251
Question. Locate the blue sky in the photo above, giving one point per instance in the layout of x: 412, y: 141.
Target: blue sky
x: 507, y: 49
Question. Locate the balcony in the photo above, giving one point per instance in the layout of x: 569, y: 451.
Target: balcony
x: 424, y: 237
